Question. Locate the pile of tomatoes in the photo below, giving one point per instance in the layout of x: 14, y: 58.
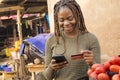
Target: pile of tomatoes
x: 110, y: 70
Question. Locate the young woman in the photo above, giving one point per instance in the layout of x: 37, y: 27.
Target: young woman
x: 71, y: 39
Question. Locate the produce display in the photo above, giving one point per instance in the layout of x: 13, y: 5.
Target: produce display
x: 109, y: 70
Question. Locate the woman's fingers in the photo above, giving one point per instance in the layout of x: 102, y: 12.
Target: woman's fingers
x: 56, y: 66
x: 88, y: 56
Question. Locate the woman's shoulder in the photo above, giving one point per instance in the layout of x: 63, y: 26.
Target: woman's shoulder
x: 90, y: 35
x: 51, y: 38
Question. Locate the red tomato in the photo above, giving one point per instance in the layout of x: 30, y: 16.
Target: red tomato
x: 107, y: 65
x: 115, y: 60
x: 94, y: 66
x: 93, y: 75
x: 115, y: 68
x: 116, y: 77
x: 119, y: 72
x: 89, y: 72
x: 100, y: 69
x: 103, y: 76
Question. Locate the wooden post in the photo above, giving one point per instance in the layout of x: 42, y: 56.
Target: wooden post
x: 19, y: 26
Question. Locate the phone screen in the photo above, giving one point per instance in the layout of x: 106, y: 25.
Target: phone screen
x: 59, y: 58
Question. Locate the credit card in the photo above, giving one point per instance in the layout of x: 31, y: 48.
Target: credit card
x: 77, y: 56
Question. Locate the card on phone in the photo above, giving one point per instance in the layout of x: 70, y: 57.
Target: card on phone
x: 77, y: 56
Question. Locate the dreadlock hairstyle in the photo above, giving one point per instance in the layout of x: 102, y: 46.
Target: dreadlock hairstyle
x: 75, y: 8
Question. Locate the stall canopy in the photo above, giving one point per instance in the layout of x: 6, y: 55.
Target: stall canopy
x: 19, y: 9
x: 9, y: 7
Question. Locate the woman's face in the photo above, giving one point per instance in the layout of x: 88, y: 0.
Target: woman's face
x: 66, y: 20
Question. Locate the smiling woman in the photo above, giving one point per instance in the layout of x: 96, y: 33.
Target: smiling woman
x: 67, y: 21
x: 72, y: 40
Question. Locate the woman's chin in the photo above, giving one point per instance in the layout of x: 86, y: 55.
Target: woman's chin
x: 67, y: 32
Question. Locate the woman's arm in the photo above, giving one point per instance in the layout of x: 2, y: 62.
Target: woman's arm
x: 48, y: 72
x: 95, y: 48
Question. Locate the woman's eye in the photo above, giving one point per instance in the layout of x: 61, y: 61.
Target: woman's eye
x: 70, y: 18
x: 61, y: 20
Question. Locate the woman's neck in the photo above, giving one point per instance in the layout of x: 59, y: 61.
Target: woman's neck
x: 72, y: 34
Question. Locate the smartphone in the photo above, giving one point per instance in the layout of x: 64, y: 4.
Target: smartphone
x: 59, y: 58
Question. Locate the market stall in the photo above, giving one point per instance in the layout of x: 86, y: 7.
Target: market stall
x: 9, y: 8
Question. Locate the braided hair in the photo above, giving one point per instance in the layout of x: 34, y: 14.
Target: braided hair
x: 75, y: 8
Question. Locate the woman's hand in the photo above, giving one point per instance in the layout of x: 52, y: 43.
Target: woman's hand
x: 88, y: 56
x: 57, y: 66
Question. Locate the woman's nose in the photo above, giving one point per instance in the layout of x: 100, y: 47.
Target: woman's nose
x: 66, y: 22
